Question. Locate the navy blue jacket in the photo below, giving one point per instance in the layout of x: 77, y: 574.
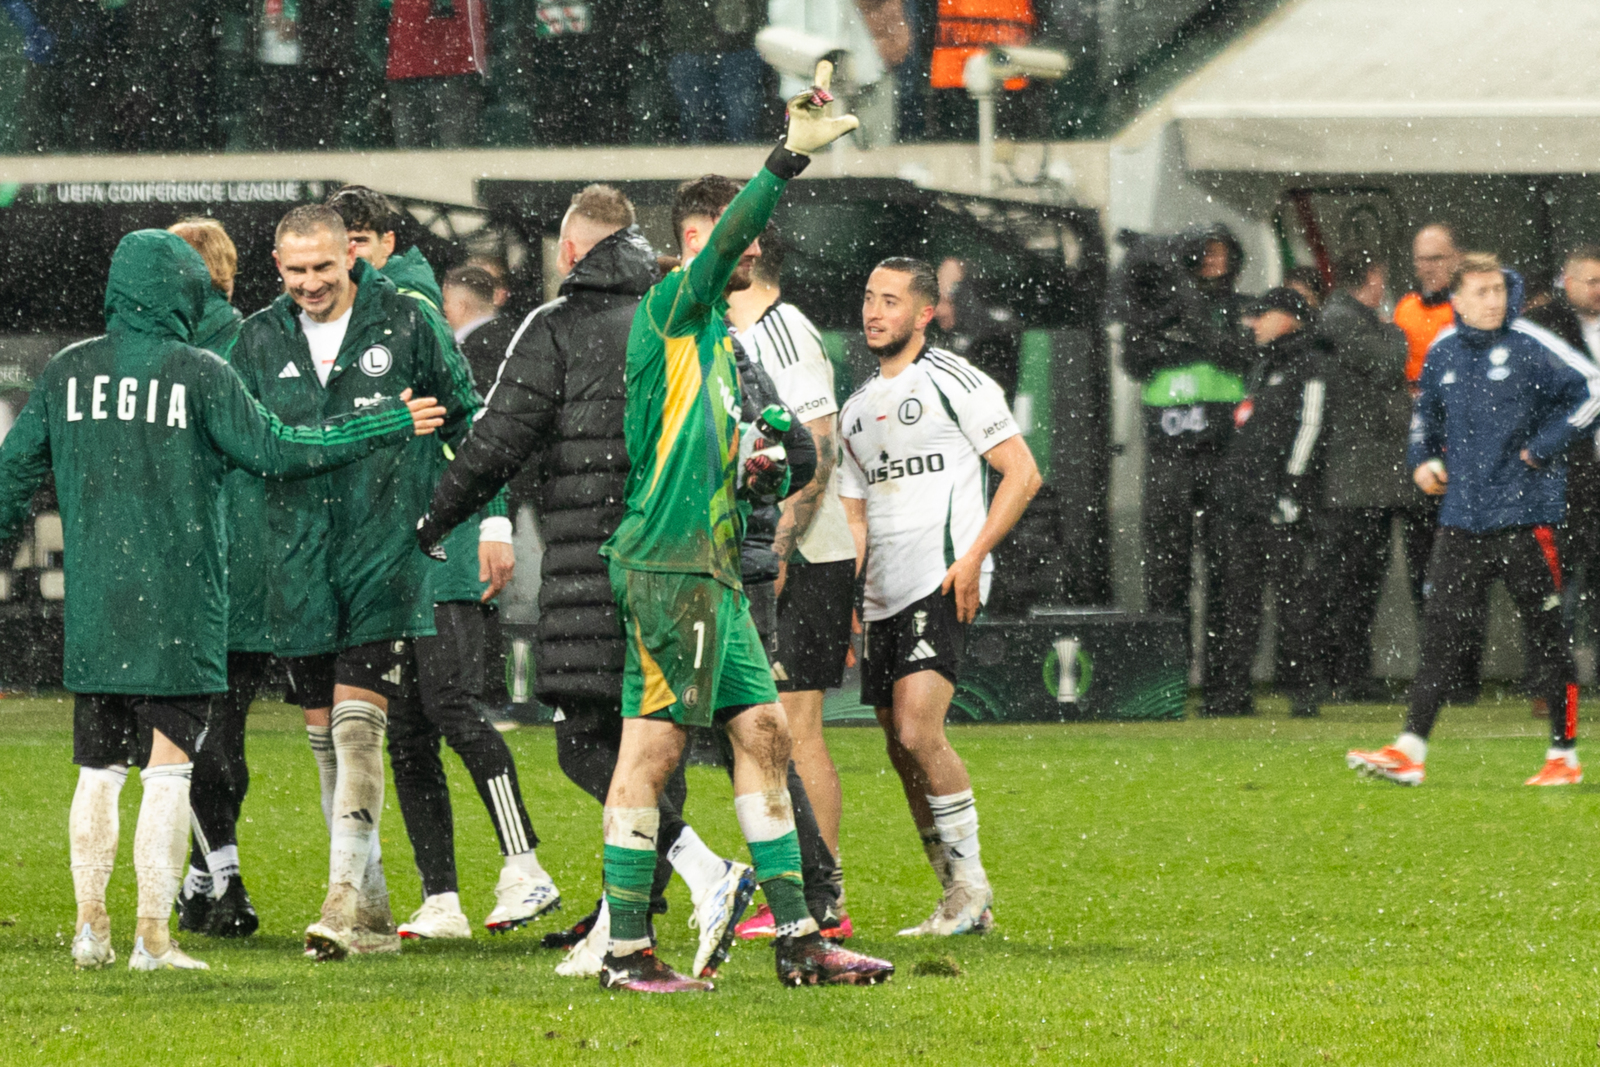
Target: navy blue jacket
x: 1484, y: 396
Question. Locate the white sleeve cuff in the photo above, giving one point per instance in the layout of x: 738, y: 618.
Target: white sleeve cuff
x: 495, y: 528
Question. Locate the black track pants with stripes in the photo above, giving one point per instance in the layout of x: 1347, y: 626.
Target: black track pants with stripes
x: 445, y: 703
x: 1463, y: 567
x: 221, y: 778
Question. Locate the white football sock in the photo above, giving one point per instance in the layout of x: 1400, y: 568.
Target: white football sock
x: 374, y: 894
x: 160, y: 842
x: 93, y: 826
x: 696, y: 864
x: 321, y: 738
x: 955, y: 816
x: 224, y: 864
x: 1569, y: 756
x: 357, y: 732
x: 450, y: 902
x: 527, y: 863
x: 1414, y: 747
x: 197, y: 883
x: 938, y: 857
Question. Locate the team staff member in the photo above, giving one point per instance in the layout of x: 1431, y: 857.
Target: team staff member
x: 917, y: 437
x: 694, y: 657
x: 1191, y: 365
x: 213, y: 898
x: 557, y: 404
x: 349, y: 590
x: 815, y: 555
x: 1500, y: 401
x: 1268, y: 485
x: 446, y: 700
x: 140, y: 429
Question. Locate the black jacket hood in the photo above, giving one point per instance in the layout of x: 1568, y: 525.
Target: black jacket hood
x: 622, y: 263
x: 1195, y: 239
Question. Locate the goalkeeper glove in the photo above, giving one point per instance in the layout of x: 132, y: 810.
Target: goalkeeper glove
x: 810, y: 127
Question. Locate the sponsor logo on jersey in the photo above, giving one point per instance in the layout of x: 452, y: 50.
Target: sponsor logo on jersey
x: 904, y: 468
x: 376, y: 361
x: 910, y: 411
x: 289, y: 370
x: 367, y: 401
x: 819, y: 402
x: 995, y: 427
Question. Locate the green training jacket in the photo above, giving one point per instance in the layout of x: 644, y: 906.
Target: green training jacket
x: 457, y: 577
x: 345, y: 566
x: 244, y: 505
x: 140, y: 430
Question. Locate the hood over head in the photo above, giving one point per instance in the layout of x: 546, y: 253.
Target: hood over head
x: 1516, y: 296
x: 621, y: 263
x: 411, y: 270
x: 158, y: 286
x: 1195, y: 239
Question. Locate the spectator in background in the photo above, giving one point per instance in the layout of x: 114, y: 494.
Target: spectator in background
x: 577, y: 62
x: 1266, y: 490
x: 63, y: 91
x: 305, y: 54
x: 717, y: 75
x: 1367, y: 483
x: 438, y: 58
x: 985, y: 333
x: 471, y: 309
x: 1421, y: 314
x: 1307, y: 281
x: 1574, y: 316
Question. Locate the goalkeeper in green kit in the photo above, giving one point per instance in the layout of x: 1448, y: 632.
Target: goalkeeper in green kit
x: 140, y: 429
x: 693, y: 655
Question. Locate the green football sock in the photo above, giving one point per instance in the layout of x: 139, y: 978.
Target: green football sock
x: 778, y: 871
x: 628, y: 872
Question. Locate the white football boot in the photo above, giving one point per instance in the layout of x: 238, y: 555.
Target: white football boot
x: 587, y: 957
x: 439, y: 918
x: 717, y: 912
x: 89, y: 953
x: 520, y: 898
x: 964, y: 909
x: 174, y: 959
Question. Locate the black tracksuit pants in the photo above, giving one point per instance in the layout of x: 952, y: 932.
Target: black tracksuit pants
x: 221, y: 777
x: 1463, y: 567
x: 444, y: 703
x: 1178, y: 517
x: 1259, y: 555
x: 1351, y: 562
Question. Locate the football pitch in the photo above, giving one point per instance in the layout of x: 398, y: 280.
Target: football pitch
x: 1199, y: 892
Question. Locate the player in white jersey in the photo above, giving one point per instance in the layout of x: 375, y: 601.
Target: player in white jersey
x: 816, y: 554
x: 918, y: 437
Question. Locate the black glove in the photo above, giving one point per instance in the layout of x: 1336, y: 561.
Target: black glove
x: 431, y: 539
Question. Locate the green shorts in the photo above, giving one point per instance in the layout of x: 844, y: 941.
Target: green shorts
x: 693, y: 649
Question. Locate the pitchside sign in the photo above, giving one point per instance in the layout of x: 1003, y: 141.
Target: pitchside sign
x: 1073, y: 663
x: 56, y: 241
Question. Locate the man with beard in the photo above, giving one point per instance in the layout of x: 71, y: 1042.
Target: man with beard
x: 919, y: 437
x: 693, y: 655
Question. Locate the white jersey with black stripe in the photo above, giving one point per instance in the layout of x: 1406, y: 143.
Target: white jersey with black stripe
x: 790, y: 350
x: 913, y: 450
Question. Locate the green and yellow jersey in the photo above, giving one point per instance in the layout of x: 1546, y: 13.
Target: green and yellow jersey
x: 682, y: 417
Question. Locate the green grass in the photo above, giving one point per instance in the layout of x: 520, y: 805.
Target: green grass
x: 1170, y: 893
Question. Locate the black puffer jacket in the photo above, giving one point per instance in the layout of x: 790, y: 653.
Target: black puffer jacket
x: 559, y: 401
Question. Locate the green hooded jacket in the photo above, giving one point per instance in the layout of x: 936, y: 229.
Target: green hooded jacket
x: 141, y: 430
x: 457, y: 578
x: 344, y: 564
x: 245, y: 505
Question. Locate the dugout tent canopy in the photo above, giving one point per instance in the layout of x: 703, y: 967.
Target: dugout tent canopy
x: 1418, y: 86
